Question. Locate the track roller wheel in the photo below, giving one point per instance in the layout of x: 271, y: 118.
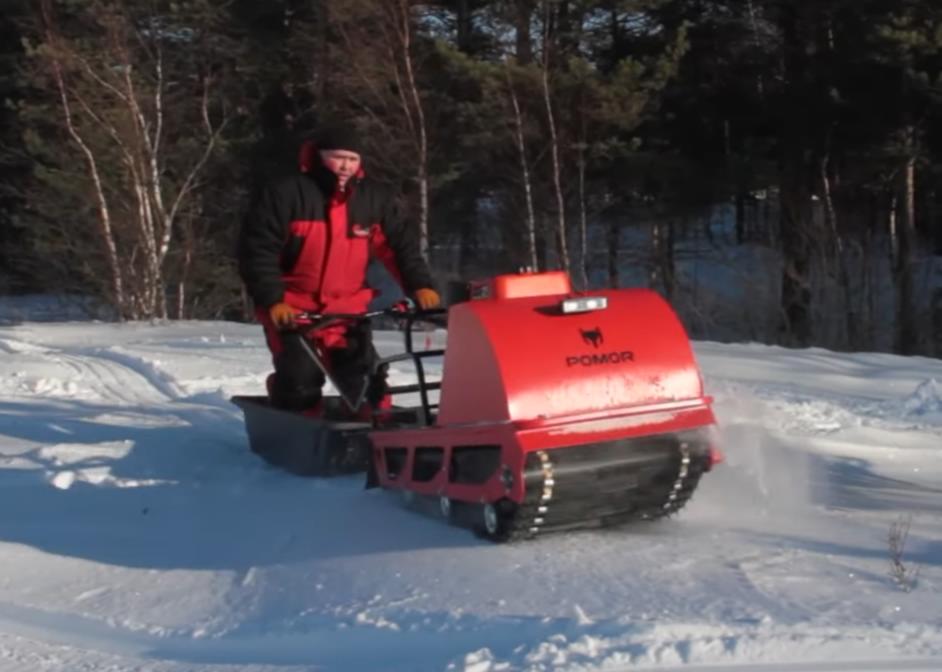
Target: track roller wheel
x: 496, y: 520
x: 444, y: 505
x: 491, y: 520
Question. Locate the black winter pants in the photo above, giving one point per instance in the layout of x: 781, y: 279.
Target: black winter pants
x: 299, y: 380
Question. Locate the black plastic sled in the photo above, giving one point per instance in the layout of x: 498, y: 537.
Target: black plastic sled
x: 304, y: 445
x: 332, y: 443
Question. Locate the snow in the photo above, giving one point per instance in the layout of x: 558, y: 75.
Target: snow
x: 138, y: 532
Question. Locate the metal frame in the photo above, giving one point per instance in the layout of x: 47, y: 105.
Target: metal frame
x: 423, y: 386
x: 316, y: 321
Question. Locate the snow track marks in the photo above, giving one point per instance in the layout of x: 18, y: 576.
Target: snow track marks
x: 100, y: 374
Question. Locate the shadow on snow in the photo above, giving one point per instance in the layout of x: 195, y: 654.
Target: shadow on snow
x: 186, y: 496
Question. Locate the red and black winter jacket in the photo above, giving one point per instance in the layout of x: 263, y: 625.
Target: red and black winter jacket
x: 302, y: 244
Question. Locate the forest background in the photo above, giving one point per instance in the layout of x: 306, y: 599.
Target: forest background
x: 772, y: 167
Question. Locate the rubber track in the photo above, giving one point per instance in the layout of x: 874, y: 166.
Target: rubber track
x: 517, y: 522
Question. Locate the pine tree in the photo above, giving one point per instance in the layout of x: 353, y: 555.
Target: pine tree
x: 14, y: 167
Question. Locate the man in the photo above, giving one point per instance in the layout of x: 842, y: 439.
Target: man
x: 304, y: 247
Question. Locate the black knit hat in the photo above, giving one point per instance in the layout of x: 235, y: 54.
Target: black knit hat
x: 338, y: 136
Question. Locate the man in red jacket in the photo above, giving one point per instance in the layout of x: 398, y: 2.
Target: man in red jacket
x: 305, y: 246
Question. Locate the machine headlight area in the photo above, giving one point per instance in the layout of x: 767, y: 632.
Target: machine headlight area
x: 583, y: 304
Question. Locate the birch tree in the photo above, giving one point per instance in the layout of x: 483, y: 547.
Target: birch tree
x: 135, y: 100
x: 378, y: 80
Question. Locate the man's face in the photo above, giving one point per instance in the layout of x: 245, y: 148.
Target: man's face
x: 342, y: 163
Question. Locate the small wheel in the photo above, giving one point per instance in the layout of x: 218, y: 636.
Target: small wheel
x: 496, y: 521
x: 492, y: 522
x: 444, y: 504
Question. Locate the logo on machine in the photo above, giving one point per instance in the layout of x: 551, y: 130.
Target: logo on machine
x: 595, y: 338
x: 592, y: 337
x: 599, y: 358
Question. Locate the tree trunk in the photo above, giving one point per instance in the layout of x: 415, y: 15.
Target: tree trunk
x: 796, y: 214
x: 464, y: 25
x: 525, y: 173
x: 104, y: 212
x: 907, y: 335
x: 468, y: 252
x: 614, y: 241
x: 542, y: 231
x: 662, y: 248
x: 583, y: 220
x: 838, y: 251
x: 562, y: 246
x: 421, y: 130
x: 524, y: 42
x: 423, y: 199
x: 740, y: 216
x: 756, y: 43
x: 796, y: 252
x: 189, y: 245
x: 322, y: 67
x: 668, y: 266
x: 567, y: 37
x: 868, y: 300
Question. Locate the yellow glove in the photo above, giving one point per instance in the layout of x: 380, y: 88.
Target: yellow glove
x: 282, y: 315
x: 427, y: 299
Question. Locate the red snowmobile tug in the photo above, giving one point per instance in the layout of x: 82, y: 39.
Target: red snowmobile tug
x: 556, y: 410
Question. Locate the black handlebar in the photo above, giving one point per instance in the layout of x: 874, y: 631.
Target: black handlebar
x: 306, y: 321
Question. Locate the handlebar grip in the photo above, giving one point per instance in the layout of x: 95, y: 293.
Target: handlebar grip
x: 307, y: 321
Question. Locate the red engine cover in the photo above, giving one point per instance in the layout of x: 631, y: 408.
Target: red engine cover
x: 522, y: 359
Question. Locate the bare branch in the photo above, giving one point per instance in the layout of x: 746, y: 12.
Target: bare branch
x: 366, y: 109
x: 583, y: 219
x: 363, y: 77
x: 108, y: 127
x: 90, y: 71
x: 104, y: 213
x: 528, y: 190
x: 554, y: 140
x: 188, y: 184
x: 204, y: 106
x: 159, y: 104
x: 190, y: 180
x: 404, y: 6
x: 401, y: 89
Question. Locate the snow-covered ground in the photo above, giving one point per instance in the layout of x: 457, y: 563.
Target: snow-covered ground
x: 137, y: 531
